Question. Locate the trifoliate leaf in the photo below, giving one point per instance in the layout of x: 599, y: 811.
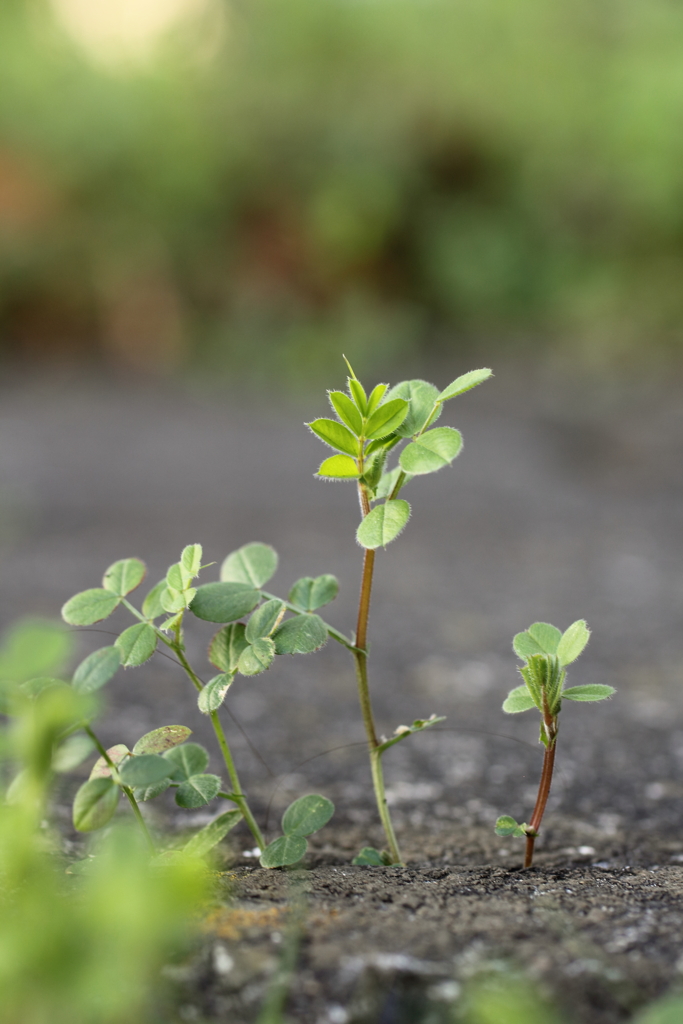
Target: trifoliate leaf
x: 386, y: 419
x: 421, y: 397
x: 307, y: 815
x: 95, y: 804
x: 525, y: 646
x: 431, y: 451
x: 89, y: 606
x: 518, y: 700
x: 573, y: 642
x: 336, y: 435
x: 213, y: 694
x: 137, y: 644
x: 187, y: 760
x: 309, y: 593
x: 253, y: 564
x: 301, y: 635
x: 465, y: 383
x: 96, y: 670
x: 546, y: 636
x: 152, y: 607
x: 263, y: 620
x: 383, y: 523
x: 227, y: 646
x: 124, y: 576
x: 145, y: 770
x: 203, y: 842
x: 339, y: 467
x: 198, y: 791
x: 347, y: 412
x: 283, y: 851
x: 257, y: 657
x: 224, y: 602
x: 159, y: 740
x: 592, y: 691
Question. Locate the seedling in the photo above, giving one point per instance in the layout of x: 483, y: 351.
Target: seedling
x: 546, y: 653
x: 164, y: 758
x: 366, y: 429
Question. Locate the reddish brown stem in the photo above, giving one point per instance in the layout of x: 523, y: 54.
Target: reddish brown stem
x: 542, y: 798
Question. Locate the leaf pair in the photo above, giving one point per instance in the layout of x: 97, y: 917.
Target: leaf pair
x: 90, y: 606
x: 302, y: 818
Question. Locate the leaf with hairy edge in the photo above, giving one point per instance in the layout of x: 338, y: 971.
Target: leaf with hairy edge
x: 336, y: 435
x: 213, y: 694
x: 224, y: 602
x: 152, y: 607
x: 257, y: 657
x: 197, y: 791
x: 421, y: 397
x: 191, y: 560
x: 465, y: 383
x: 431, y: 451
x: 383, y: 523
x: 124, y: 576
x: 72, y: 752
x: 145, y: 770
x: 573, y: 642
x: 339, y: 467
x: 375, y: 398
x: 592, y: 691
x: 507, y: 826
x: 253, y: 564
x: 309, y: 593
x: 173, y: 601
x: 137, y: 644
x: 89, y: 606
x: 283, y: 851
x: 116, y: 754
x: 307, y: 815
x: 264, y: 618
x: 300, y: 635
x: 386, y: 419
x: 227, y: 645
x: 203, y: 842
x: 96, y: 670
x: 357, y: 392
x: 162, y: 739
x: 346, y: 411
x: 95, y: 804
x: 525, y: 646
x: 144, y: 793
x: 518, y: 700
x: 546, y: 636
x: 188, y: 759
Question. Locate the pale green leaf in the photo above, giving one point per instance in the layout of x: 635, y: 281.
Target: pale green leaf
x: 203, y: 842
x: 421, y: 397
x: 336, y: 435
x: 465, y: 383
x: 301, y: 635
x: 507, y: 826
x: 263, y: 620
x: 389, y: 480
x: 346, y: 411
x: 257, y: 657
x: 96, y: 670
x: 191, y: 559
x: 375, y: 398
x: 173, y: 601
x: 213, y: 694
x: 152, y: 607
x: 227, y: 646
x: 224, y: 602
x: 175, y: 579
x: 116, y: 754
x: 592, y: 691
x: 525, y: 646
x: 310, y: 593
x: 283, y: 851
x: 307, y: 815
x: 253, y: 563
x: 573, y: 642
x: 339, y: 467
x: 369, y: 857
x: 124, y: 576
x: 159, y: 740
x: 89, y: 606
x: 383, y: 523
x: 72, y: 752
x: 386, y: 419
x: 198, y: 791
x: 431, y: 451
x: 34, y: 647
x: 95, y: 804
x: 145, y: 770
x: 546, y: 636
x: 187, y: 760
x: 357, y: 392
x: 518, y: 700
x: 34, y: 687
x: 137, y: 644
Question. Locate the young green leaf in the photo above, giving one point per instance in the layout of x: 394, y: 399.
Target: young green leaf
x: 309, y: 594
x: 175, y: 578
x: 339, y: 467
x: 203, y: 842
x: 173, y: 601
x: 162, y: 739
x: 386, y: 419
x: 300, y: 635
x: 224, y: 602
x: 191, y: 560
x: 546, y: 636
x: 465, y: 383
x: 96, y: 670
x: 89, y: 606
x: 369, y: 857
x: 145, y: 770
x: 346, y: 411
x: 283, y: 851
x: 383, y: 523
x: 573, y: 642
x: 137, y: 644
x: 116, y: 754
x: 34, y: 687
x: 72, y: 752
x: 431, y: 451
x: 507, y: 826
x: 421, y: 397
x: 591, y: 691
x: 375, y: 398
x: 257, y: 657
x: 187, y: 760
x: 262, y: 622
x: 152, y: 607
x: 357, y: 392
x: 124, y: 576
x: 95, y: 804
x: 336, y: 435
x: 226, y: 647
x: 307, y: 815
x: 197, y: 791
x: 518, y: 700
x: 525, y: 646
x: 253, y: 564
x: 213, y: 694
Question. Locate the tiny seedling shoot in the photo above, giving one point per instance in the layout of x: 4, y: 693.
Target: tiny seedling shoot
x: 546, y: 653
x: 366, y: 430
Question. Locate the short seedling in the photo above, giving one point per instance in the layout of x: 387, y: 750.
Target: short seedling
x: 367, y: 428
x: 546, y: 653
x: 163, y: 758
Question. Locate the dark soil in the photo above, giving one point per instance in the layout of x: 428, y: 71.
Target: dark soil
x: 566, y: 503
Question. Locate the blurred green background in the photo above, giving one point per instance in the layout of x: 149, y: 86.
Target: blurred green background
x: 232, y: 184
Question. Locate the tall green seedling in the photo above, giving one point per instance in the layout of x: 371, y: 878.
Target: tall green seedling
x: 366, y: 429
x: 546, y: 652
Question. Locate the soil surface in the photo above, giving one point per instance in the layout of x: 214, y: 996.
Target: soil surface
x: 565, y: 503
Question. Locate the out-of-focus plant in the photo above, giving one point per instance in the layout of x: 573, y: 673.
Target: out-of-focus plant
x: 503, y: 997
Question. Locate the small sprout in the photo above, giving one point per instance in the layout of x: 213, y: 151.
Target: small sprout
x: 302, y: 818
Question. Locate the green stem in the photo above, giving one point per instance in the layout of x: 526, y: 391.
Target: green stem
x: 126, y: 789
x: 238, y: 796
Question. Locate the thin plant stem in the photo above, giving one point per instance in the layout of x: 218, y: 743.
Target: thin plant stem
x: 238, y: 796
x: 361, y: 659
x: 126, y: 789
x: 543, y: 792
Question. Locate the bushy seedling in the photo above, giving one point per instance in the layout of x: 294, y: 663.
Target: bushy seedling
x: 546, y: 653
x: 164, y: 758
x: 366, y: 430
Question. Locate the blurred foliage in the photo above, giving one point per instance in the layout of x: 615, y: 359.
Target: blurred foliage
x: 296, y: 178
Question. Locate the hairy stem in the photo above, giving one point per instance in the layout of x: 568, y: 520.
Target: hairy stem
x: 543, y: 794
x: 126, y: 789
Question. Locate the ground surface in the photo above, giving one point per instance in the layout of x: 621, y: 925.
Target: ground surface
x: 565, y: 503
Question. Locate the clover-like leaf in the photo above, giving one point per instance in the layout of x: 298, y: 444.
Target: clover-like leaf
x: 336, y: 435
x: 203, y: 842
x: 144, y: 793
x: 431, y: 451
x: 213, y: 694
x: 197, y: 791
x: 152, y: 607
x: 300, y: 635
x: 187, y: 760
x: 525, y: 646
x: 310, y: 593
x: 224, y: 602
x: 137, y: 644
x: 227, y: 645
x: 421, y: 397
x: 145, y: 770
x: 263, y: 620
x: 96, y: 670
x: 546, y: 636
x: 159, y: 740
x: 347, y: 411
x: 573, y: 642
x: 518, y: 700
x: 507, y: 826
x: 589, y: 692
x: 124, y: 576
x: 386, y: 419
x: 283, y: 851
x: 95, y: 804
x: 339, y: 467
x: 257, y: 657
x: 383, y: 523
x: 370, y: 857
x: 89, y: 606
x: 465, y: 382
x: 307, y: 815
x: 253, y: 564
